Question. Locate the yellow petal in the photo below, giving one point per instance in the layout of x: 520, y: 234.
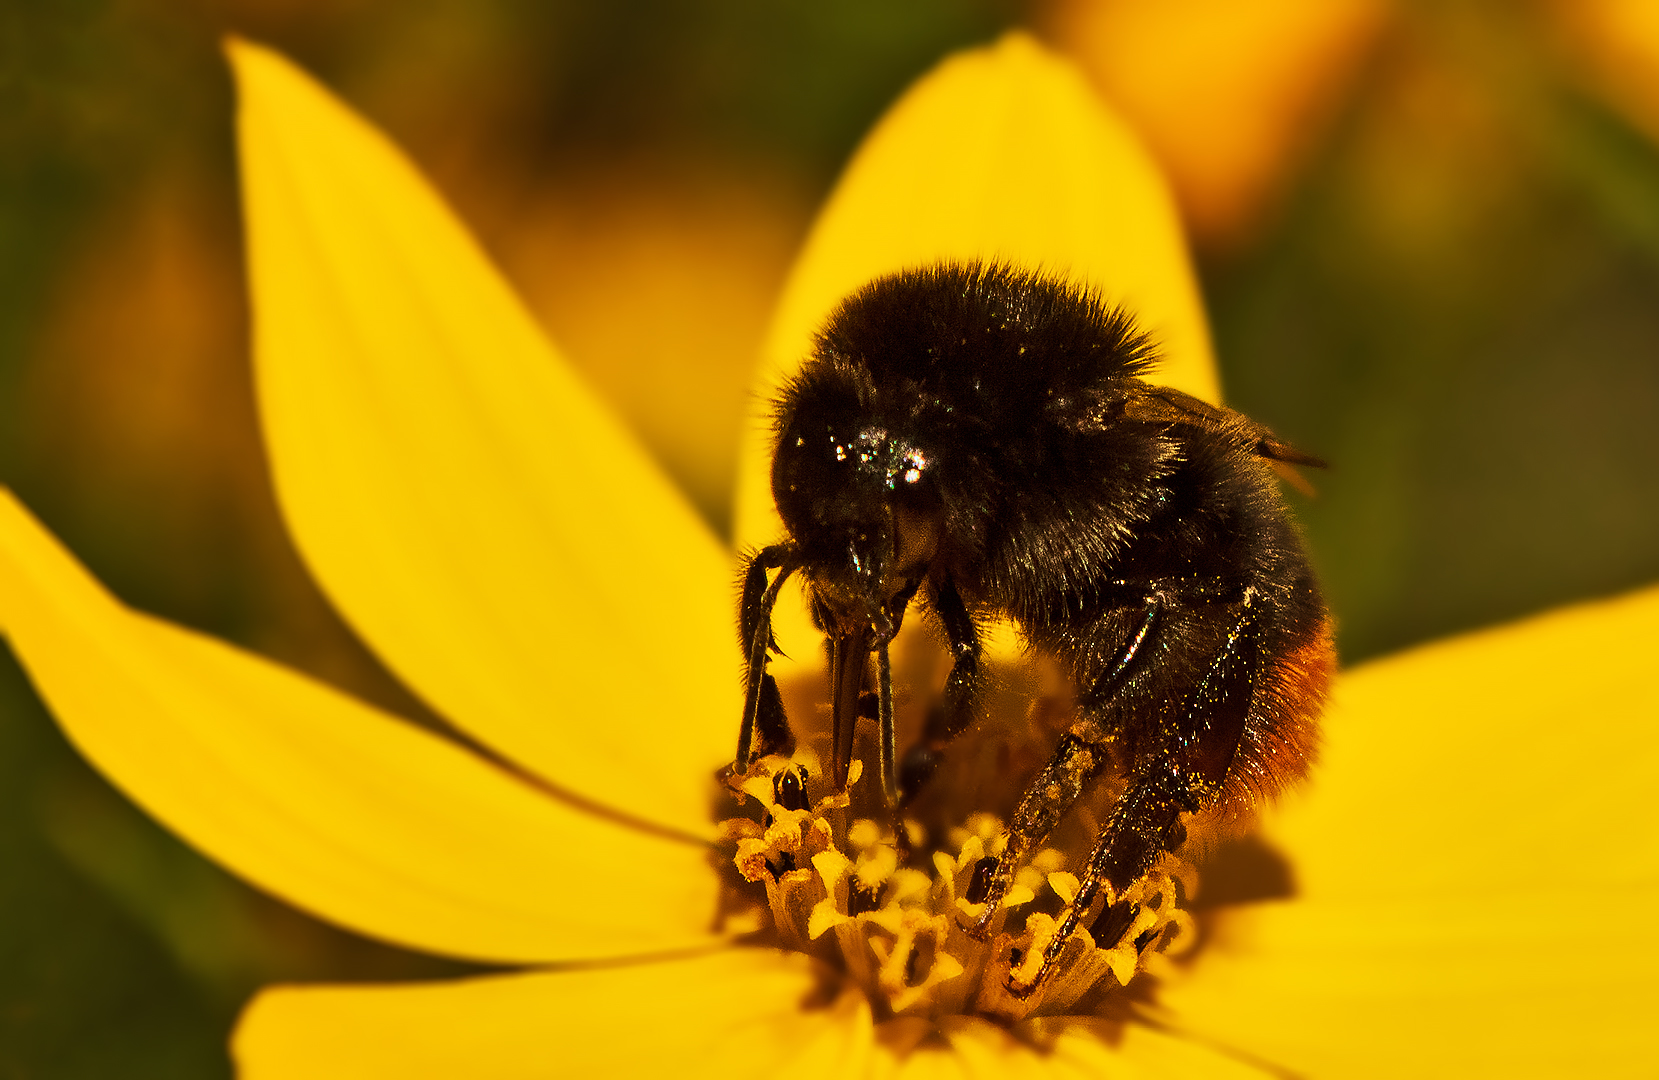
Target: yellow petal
x: 1495, y: 760
x: 1001, y: 152
x: 1477, y: 864
x: 1617, y: 46
x: 1229, y: 96
x: 329, y: 804
x: 924, y: 1063
x: 1413, y: 986
x: 988, y: 1050
x: 1068, y: 1047
x: 1083, y: 1048
x: 493, y: 533
x: 727, y: 1015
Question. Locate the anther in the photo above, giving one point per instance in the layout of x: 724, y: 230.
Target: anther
x: 979, y: 886
x: 920, y: 961
x: 862, y: 898
x: 789, y: 789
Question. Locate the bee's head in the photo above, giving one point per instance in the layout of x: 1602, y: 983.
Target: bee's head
x: 854, y: 497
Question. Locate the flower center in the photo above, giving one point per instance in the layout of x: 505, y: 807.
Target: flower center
x: 892, y: 916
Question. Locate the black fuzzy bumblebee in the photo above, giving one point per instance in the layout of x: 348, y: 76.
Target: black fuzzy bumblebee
x: 983, y: 437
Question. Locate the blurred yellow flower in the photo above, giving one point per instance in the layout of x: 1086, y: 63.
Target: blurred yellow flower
x: 1476, y: 862
x: 1231, y: 97
x: 1616, y: 46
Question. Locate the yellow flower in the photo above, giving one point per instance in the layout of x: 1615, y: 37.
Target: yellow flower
x: 1614, y: 45
x: 1476, y: 861
x: 1232, y: 98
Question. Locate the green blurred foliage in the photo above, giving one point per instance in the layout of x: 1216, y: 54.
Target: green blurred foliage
x: 1456, y: 306
x: 1460, y: 310
x: 86, y: 989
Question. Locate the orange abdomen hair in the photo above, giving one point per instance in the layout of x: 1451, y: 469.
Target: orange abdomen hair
x: 1281, y: 736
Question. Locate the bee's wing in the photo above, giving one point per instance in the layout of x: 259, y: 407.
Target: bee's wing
x: 1160, y: 403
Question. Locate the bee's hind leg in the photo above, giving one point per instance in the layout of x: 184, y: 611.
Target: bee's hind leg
x: 1074, y: 765
x: 1181, y: 776
x: 1069, y: 772
x: 1145, y: 823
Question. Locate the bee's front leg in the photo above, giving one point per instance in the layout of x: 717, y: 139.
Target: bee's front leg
x: 765, y: 727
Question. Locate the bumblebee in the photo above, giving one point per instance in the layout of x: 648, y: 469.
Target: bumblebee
x: 984, y: 440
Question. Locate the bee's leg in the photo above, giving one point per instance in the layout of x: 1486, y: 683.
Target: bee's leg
x: 772, y: 732
x: 1181, y: 776
x: 1067, y: 775
x: 956, y: 711
x: 883, y: 714
x: 1145, y: 823
x: 765, y: 728
x: 1076, y: 762
x: 884, y: 722
x: 1110, y: 681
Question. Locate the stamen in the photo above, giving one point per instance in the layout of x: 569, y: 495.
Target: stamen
x: 789, y: 789
x: 839, y: 890
x: 979, y: 886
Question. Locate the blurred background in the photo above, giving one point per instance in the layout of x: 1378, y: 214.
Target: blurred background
x: 1428, y: 233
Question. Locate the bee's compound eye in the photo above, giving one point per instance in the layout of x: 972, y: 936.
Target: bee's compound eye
x: 789, y: 789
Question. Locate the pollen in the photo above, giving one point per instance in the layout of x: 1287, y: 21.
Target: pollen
x: 891, y: 918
